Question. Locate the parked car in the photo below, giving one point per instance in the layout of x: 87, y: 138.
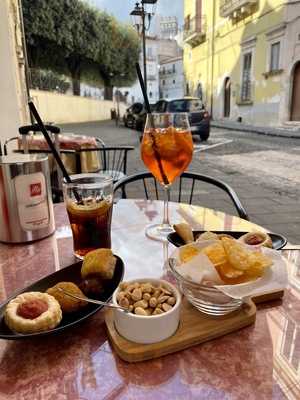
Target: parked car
x: 135, y: 116
x: 199, y: 118
x: 132, y: 117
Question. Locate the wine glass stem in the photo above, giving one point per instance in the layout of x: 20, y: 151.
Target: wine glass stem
x: 166, y: 205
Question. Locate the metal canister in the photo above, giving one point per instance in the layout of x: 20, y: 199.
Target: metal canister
x: 26, y: 208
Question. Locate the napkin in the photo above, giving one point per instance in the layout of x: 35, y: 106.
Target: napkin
x: 207, y: 273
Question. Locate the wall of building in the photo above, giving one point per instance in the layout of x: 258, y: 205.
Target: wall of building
x: 13, y: 106
x: 171, y: 79
x: 221, y: 56
x: 61, y: 108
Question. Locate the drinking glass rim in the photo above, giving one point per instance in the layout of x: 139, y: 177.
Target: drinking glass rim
x: 101, y: 181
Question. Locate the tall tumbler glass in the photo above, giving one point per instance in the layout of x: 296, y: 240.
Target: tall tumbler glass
x: 167, y: 150
x: 89, y: 202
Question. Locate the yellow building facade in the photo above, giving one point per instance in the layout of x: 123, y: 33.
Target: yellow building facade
x: 243, y: 58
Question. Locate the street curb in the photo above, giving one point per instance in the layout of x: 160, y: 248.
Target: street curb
x: 235, y: 126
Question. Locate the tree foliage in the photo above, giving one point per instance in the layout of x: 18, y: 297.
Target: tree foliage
x: 71, y: 37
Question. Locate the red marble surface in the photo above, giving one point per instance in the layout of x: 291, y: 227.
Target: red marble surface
x: 258, y: 362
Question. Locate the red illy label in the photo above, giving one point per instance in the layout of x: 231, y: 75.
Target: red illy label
x: 35, y: 189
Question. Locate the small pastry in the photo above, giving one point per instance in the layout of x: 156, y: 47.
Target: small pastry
x: 185, y: 232
x: 92, y: 287
x: 99, y: 263
x: 32, y: 312
x: 68, y: 304
x: 257, y: 239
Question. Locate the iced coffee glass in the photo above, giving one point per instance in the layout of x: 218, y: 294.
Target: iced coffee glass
x: 89, y: 202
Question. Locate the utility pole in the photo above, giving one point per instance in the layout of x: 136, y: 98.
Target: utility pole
x: 144, y: 45
x: 212, y: 58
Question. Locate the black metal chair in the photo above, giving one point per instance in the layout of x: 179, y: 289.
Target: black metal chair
x: 186, y: 187
x: 112, y: 160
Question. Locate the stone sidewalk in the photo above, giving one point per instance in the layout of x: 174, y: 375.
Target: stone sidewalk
x: 269, y: 206
x: 292, y: 132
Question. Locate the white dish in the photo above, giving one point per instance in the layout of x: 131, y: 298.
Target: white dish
x: 148, y: 329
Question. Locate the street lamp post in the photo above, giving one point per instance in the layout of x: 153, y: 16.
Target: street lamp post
x: 139, y: 15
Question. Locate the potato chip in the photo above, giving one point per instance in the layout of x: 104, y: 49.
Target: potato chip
x: 243, y: 259
x: 215, y: 252
x: 186, y: 253
x: 228, y: 271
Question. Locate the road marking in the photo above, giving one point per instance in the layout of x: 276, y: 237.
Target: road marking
x: 202, y: 147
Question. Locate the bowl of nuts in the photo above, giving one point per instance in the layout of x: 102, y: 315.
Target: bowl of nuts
x: 154, y: 310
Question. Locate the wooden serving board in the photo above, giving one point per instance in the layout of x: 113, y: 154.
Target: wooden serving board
x: 194, y: 328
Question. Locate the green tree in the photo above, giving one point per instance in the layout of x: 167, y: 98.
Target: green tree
x: 69, y: 36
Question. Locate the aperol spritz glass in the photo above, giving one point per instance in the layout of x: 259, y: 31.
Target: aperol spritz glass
x: 166, y: 150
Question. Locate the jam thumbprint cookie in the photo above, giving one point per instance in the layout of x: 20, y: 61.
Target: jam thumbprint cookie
x: 32, y: 312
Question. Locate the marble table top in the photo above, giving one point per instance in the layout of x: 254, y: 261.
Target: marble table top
x: 257, y: 362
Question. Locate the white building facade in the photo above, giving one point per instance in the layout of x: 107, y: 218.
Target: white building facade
x: 171, y: 78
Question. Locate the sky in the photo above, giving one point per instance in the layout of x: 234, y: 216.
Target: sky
x: 122, y: 8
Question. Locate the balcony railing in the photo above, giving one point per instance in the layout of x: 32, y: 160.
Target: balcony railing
x: 167, y: 72
x: 233, y: 8
x: 195, y: 30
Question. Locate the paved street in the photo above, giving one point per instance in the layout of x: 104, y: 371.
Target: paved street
x: 263, y: 170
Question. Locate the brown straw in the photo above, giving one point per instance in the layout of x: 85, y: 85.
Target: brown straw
x: 52, y: 147
x: 148, y: 109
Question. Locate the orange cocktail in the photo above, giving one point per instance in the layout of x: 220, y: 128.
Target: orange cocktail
x: 174, y: 148
x: 167, y: 150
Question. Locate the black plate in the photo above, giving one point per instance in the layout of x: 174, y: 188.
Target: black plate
x: 70, y: 274
x: 278, y: 241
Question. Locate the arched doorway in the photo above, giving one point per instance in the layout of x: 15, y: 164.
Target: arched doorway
x: 227, y: 97
x: 295, y: 103
x: 199, y: 92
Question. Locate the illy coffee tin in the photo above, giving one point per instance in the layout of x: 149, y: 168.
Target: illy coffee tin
x: 26, y: 209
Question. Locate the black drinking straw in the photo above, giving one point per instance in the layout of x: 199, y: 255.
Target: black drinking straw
x: 148, y: 109
x: 51, y: 146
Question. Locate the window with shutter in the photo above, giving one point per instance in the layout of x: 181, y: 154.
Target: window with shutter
x: 246, y: 78
x: 274, y: 59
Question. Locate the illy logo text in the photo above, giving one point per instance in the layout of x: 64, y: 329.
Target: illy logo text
x: 35, y: 189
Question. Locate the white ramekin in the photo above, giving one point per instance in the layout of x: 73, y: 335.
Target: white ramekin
x: 148, y: 329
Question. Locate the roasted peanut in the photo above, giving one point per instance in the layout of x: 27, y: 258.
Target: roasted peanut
x: 123, y: 285
x: 140, y: 311
x: 162, y: 299
x: 147, y: 296
x: 156, y: 293
x: 120, y: 295
x: 124, y: 302
x: 166, y: 307
x: 136, y: 295
x: 130, y: 288
x: 153, y: 302
x: 146, y: 287
x: 157, y: 311
x: 165, y: 291
x: 130, y: 308
x: 171, y: 301
x: 141, y: 303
